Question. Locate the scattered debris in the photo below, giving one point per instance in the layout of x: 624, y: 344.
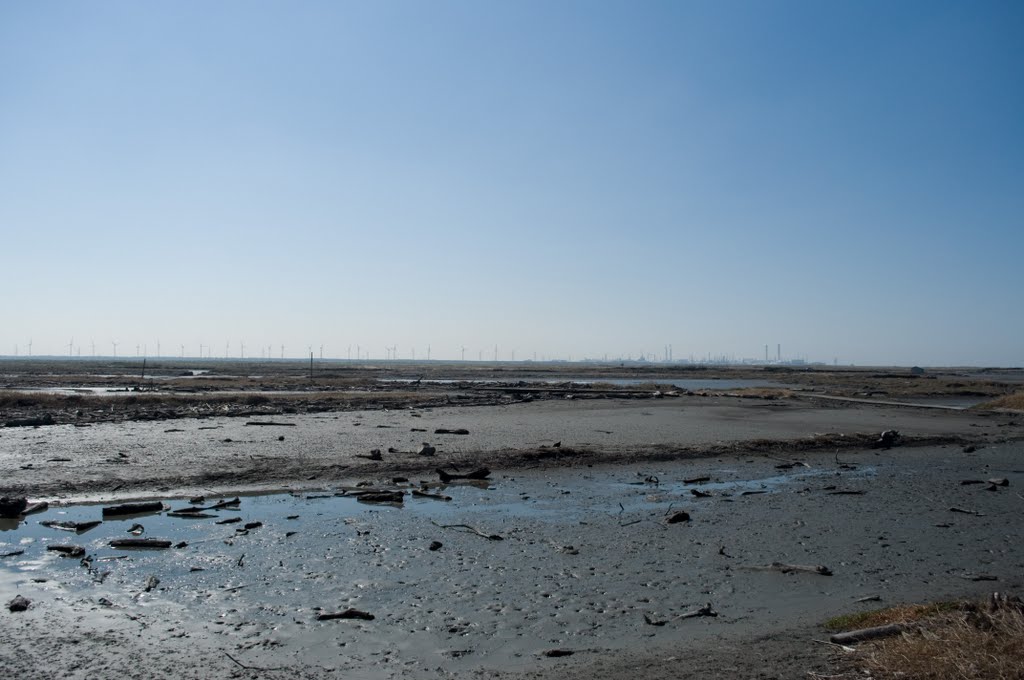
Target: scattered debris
x: 426, y: 450
x: 863, y: 634
x: 230, y: 520
x: 137, y: 530
x: 12, y: 507
x: 887, y: 440
x: 13, y: 553
x: 19, y: 604
x: 67, y: 550
x: 700, y: 494
x: 696, y: 480
x: 426, y: 494
x: 966, y: 512
x: 869, y: 598
x: 151, y: 583
x: 681, y: 516
x: 133, y: 508
x: 270, y: 423
x: 380, y: 496
x: 78, y: 527
x: 443, y: 430
x: 33, y: 508
x: 789, y: 568
x: 153, y: 543
x: 225, y: 504
x: 479, y: 473
x: 374, y: 455
x: 349, y: 613
x: 435, y: 545
x: 970, y: 448
x: 842, y: 492
x: 553, y: 653
x: 979, y: 577
x: 471, y: 529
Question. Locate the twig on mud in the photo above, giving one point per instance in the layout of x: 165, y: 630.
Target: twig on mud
x: 845, y: 648
x: 253, y: 668
x: 492, y: 537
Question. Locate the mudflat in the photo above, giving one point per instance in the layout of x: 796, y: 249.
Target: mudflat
x: 671, y: 536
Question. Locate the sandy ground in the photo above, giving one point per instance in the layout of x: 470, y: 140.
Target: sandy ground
x: 588, y: 563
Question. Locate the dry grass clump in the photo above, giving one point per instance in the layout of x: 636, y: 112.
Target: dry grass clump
x: 966, y: 642
x: 1014, y: 402
x: 902, y: 613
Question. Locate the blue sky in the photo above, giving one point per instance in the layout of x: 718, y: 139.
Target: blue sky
x: 560, y: 178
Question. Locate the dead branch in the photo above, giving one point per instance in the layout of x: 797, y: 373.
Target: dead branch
x: 471, y: 529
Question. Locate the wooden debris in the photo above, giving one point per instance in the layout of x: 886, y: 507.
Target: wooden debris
x: 681, y: 516
x: 979, y: 577
x: 696, y: 480
x: 435, y: 496
x: 789, y: 568
x: 752, y: 493
x: 12, y: 507
x: 270, y: 423
x: 375, y: 454
x: 435, y: 545
x: 863, y: 634
x: 443, y: 430
x: 137, y: 530
x: 842, y: 492
x: 965, y: 482
x: 869, y: 598
x: 349, y: 613
x: 380, y: 497
x: 33, y: 508
x: 706, y: 610
x: 471, y: 529
x: 151, y: 583
x: 700, y: 494
x: 554, y: 653
x: 230, y: 520
x: 13, y: 553
x: 225, y: 504
x: 966, y: 512
x: 153, y: 543
x: 996, y: 481
x: 133, y: 508
x: 479, y: 473
x: 190, y: 515
x: 78, y: 527
x: 67, y: 550
x: 426, y: 450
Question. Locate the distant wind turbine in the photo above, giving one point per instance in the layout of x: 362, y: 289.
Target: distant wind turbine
x: 114, y: 343
x: 70, y: 345
x: 30, y: 346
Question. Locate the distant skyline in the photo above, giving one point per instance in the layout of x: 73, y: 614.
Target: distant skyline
x: 575, y: 179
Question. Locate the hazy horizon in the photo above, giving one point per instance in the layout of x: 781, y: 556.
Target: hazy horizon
x: 571, y: 179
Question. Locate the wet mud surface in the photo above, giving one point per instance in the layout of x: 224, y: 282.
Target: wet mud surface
x: 588, y: 563
x: 198, y: 454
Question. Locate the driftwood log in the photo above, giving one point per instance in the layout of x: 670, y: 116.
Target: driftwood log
x: 863, y: 634
x: 133, y: 508
x: 347, y: 614
x: 479, y: 473
x: 78, y: 527
x: 153, y: 543
x: 67, y: 550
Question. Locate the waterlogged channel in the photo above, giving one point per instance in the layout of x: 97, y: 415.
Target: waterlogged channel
x: 585, y: 560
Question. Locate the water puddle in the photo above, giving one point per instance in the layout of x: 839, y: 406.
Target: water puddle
x: 427, y: 570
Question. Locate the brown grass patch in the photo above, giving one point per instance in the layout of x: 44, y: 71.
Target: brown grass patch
x: 1013, y: 402
x: 964, y: 642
